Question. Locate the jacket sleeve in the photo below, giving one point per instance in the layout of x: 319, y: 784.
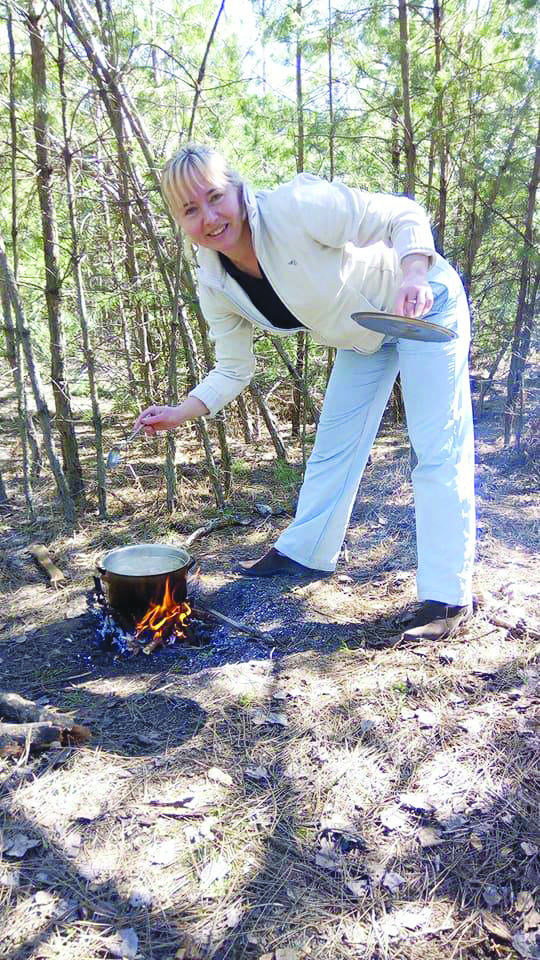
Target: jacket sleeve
x: 235, y: 359
x: 334, y: 214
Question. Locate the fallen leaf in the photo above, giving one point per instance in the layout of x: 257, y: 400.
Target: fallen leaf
x: 44, y: 898
x: 412, y: 919
x: 367, y: 724
x: 496, y: 927
x: 90, y: 812
x: 416, y: 801
x: 220, y: 776
x: 524, y: 902
x: 326, y: 861
x: 531, y: 920
x: 476, y: 842
x: 122, y: 944
x: 529, y: 849
x: 527, y: 945
x: 358, y: 888
x: 454, y: 821
x: 164, y: 853
x: 428, y: 837
x: 491, y: 895
x: 234, y: 914
x: 19, y: 844
x: 393, y: 818
x: 189, y: 950
x: 261, y: 717
x: 213, y: 871
x: 288, y: 953
x: 140, y: 898
x: 472, y: 723
x: 67, y: 908
x: 392, y: 881
x: 426, y: 718
x: 279, y: 695
x: 258, y: 774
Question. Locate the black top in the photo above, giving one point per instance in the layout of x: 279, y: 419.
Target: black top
x: 262, y: 295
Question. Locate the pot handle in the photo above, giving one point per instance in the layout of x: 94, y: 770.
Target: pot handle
x: 102, y: 572
x: 191, y: 564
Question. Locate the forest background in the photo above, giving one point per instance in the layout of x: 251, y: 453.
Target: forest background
x: 100, y: 315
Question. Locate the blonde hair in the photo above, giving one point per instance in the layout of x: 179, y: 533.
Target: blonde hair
x: 191, y: 168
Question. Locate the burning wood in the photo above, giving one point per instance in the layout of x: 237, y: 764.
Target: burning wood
x: 164, y: 621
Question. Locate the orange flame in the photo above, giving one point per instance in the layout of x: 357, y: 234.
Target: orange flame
x: 164, y: 620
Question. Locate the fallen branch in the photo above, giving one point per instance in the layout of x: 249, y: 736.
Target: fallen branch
x: 15, y: 738
x: 43, y: 557
x: 517, y: 626
x: 212, y: 525
x: 34, y: 727
x: 207, y: 613
x: 18, y: 709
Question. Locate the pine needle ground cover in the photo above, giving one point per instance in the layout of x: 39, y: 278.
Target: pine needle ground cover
x: 331, y: 793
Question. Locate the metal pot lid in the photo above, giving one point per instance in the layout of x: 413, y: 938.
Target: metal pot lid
x: 145, y: 560
x: 408, y: 328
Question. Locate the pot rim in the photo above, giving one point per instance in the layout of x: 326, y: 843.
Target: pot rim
x: 159, y: 558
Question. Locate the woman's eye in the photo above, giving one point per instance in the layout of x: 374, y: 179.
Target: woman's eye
x: 216, y: 197
x: 188, y: 211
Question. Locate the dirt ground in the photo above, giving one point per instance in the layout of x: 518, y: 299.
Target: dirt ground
x: 327, y: 792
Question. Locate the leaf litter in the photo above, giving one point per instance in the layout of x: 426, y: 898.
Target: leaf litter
x: 434, y: 772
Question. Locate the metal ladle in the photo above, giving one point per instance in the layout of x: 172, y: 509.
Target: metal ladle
x: 115, y: 454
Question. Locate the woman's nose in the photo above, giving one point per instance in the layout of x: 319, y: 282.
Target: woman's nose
x: 211, y: 215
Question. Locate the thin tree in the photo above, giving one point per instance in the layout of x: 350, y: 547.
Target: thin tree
x: 53, y: 279
x: 76, y: 258
x: 409, y: 146
x: 528, y: 292
x: 43, y: 413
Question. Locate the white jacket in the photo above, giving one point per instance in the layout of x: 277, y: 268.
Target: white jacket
x: 328, y: 250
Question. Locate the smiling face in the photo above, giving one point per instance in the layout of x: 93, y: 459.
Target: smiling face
x: 212, y: 216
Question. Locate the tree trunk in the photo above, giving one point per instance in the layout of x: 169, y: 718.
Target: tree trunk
x: 275, y: 435
x: 404, y: 59
x: 13, y: 346
x: 331, y: 119
x: 114, y: 96
x: 23, y: 333
x: 395, y: 144
x: 23, y: 418
x: 440, y: 129
x: 528, y: 291
x: 4, y: 499
x: 76, y: 257
x: 202, y: 71
x: 480, y: 222
x: 53, y: 283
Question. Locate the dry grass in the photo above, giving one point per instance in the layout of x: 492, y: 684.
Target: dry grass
x: 320, y: 851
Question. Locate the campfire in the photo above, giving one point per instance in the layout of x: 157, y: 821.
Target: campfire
x: 139, y: 607
x: 163, y: 622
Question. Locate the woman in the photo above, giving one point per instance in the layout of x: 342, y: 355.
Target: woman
x: 305, y: 256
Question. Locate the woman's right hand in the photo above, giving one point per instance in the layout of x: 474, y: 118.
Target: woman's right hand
x: 156, y: 418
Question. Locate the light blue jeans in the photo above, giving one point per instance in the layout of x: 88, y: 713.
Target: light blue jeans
x: 436, y: 392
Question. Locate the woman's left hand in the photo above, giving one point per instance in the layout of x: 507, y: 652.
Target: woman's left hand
x: 415, y: 296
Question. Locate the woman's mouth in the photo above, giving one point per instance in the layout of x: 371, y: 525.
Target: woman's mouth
x: 217, y: 232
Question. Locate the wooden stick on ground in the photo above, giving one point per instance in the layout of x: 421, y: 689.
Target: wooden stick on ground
x: 43, y: 557
x: 241, y: 627
x: 219, y: 524
x: 34, y: 727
